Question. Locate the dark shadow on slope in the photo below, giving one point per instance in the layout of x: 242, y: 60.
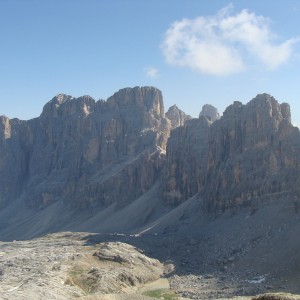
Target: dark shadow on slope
x: 253, y: 252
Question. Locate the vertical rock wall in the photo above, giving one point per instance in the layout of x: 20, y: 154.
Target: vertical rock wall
x: 249, y: 153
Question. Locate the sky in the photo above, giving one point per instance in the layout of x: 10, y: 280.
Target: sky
x: 194, y: 51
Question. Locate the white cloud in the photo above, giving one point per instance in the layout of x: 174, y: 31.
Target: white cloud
x: 151, y: 72
x: 225, y: 43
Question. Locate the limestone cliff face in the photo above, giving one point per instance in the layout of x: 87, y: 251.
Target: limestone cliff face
x: 83, y: 152
x: 248, y: 153
x: 251, y: 153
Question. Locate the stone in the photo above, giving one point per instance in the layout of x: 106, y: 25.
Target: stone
x: 86, y: 278
x: 186, y: 154
x: 177, y: 116
x: 83, y: 157
x: 210, y: 112
x: 56, y: 267
x: 85, y: 153
x: 226, y: 161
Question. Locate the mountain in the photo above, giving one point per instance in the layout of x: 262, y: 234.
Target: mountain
x: 89, y: 165
x: 83, y: 155
x: 79, y: 149
x: 214, y: 195
x: 241, y: 159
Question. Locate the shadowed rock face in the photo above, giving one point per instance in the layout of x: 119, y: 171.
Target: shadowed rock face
x: 83, y: 152
x: 247, y: 154
x: 186, y: 160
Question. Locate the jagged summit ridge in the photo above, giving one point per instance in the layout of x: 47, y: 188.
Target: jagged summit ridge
x: 264, y: 106
x: 66, y: 105
x: 148, y: 98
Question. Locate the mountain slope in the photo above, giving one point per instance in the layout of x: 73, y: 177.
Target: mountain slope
x: 123, y: 164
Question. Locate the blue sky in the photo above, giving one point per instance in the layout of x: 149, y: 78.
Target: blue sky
x: 195, y: 51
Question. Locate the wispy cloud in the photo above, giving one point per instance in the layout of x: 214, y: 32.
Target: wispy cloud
x: 225, y: 43
x: 151, y: 72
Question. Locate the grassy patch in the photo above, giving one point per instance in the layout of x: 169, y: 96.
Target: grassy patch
x: 161, y: 294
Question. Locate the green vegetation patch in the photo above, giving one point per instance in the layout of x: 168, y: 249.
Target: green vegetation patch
x: 161, y: 294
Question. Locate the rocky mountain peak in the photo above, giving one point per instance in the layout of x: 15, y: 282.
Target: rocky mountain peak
x: 263, y: 112
x: 177, y: 116
x: 210, y: 112
x: 267, y: 105
x: 61, y: 98
x: 65, y: 105
x: 150, y: 98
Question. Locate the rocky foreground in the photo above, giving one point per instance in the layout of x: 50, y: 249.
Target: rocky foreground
x: 63, y: 266
x: 74, y: 266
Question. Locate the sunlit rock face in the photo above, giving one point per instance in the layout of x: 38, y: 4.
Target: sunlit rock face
x: 250, y: 152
